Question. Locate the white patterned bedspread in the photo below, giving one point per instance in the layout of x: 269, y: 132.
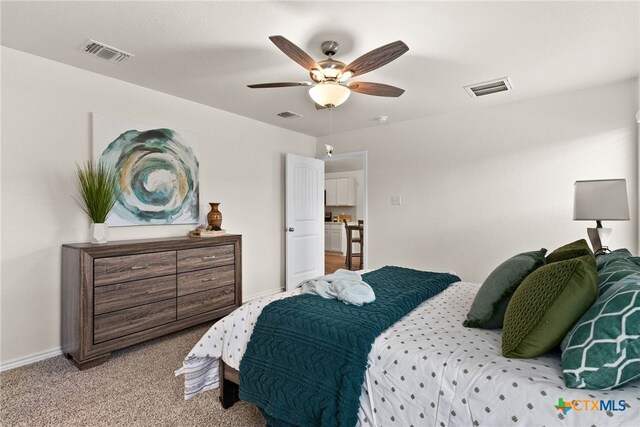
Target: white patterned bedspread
x: 429, y: 370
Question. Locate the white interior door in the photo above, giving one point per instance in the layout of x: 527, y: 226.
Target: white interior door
x: 304, y: 219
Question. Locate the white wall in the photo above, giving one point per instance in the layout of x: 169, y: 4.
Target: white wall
x: 357, y: 211
x: 47, y: 128
x: 481, y: 185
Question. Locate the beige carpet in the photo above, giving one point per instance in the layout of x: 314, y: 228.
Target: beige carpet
x: 135, y: 387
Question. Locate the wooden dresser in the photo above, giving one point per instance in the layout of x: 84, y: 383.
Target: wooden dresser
x: 124, y: 292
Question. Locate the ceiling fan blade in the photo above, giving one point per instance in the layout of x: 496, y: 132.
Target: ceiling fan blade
x: 377, y: 89
x: 376, y: 58
x: 320, y: 107
x: 295, y: 53
x: 282, y: 84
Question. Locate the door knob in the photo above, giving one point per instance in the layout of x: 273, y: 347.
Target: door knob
x: 291, y: 229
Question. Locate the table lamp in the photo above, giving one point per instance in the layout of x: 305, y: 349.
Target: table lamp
x: 600, y: 200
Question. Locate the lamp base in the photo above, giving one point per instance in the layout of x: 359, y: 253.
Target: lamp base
x: 599, y: 238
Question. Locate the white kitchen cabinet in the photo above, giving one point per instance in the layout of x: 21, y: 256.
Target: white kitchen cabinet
x: 336, y: 240
x: 331, y: 189
x: 327, y: 238
x: 334, y: 235
x: 340, y: 191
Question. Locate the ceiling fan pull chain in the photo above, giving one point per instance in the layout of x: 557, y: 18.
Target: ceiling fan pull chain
x: 330, y: 126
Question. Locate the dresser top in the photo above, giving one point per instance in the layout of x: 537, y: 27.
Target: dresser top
x: 152, y: 245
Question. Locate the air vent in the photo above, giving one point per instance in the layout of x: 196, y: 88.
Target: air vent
x: 289, y: 115
x: 104, y: 51
x: 487, y: 88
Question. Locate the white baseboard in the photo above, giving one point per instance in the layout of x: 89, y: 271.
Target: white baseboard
x: 36, y: 357
x: 32, y: 358
x: 262, y: 294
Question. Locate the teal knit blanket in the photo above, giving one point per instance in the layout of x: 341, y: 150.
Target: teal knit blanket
x: 306, y: 359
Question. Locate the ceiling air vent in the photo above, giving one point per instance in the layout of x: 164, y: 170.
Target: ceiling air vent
x: 289, y: 115
x: 487, y: 88
x: 107, y: 52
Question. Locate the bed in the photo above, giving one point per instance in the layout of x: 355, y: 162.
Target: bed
x: 427, y: 370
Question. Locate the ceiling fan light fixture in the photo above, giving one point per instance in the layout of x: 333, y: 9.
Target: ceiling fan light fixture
x: 329, y: 94
x: 330, y: 69
x: 331, y: 72
x: 317, y: 75
x: 330, y: 75
x: 345, y: 76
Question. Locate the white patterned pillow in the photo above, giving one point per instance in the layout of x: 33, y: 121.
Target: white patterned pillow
x: 602, y: 351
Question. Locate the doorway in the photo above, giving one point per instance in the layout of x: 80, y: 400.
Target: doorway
x: 345, y: 191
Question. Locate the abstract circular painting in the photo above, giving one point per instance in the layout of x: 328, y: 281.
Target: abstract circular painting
x: 158, y: 176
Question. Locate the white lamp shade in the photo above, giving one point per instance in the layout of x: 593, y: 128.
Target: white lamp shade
x: 329, y: 93
x: 601, y: 200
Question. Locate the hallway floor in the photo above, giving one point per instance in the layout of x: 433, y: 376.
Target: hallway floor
x: 334, y: 261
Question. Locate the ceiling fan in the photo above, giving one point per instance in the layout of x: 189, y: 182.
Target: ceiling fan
x: 330, y: 87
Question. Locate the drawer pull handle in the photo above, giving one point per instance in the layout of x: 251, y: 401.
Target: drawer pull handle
x: 139, y: 267
x: 209, y: 257
x: 210, y: 279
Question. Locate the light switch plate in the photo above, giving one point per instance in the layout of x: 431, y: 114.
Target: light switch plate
x: 396, y: 200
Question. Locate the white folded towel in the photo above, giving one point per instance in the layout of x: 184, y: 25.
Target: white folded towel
x: 343, y: 285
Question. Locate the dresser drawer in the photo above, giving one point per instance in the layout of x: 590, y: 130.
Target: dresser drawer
x: 204, y: 280
x: 201, y: 258
x: 125, y: 322
x: 201, y: 302
x: 130, y: 294
x: 133, y: 267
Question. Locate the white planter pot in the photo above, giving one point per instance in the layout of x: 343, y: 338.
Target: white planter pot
x: 99, y: 233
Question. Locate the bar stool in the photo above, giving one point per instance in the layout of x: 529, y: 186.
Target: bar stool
x: 349, y: 229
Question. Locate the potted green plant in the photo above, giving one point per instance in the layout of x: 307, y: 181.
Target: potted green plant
x: 99, y: 190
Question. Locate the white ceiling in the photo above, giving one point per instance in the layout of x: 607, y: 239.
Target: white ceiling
x: 343, y: 165
x: 209, y: 51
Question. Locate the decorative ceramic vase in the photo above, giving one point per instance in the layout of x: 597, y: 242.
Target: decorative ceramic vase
x: 214, y: 218
x: 99, y: 233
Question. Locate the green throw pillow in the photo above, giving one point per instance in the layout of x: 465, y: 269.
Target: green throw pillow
x: 602, y: 351
x: 604, y: 259
x: 616, y: 270
x: 571, y: 250
x: 546, y: 305
x: 490, y: 303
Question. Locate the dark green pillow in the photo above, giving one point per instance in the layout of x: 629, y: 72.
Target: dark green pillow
x: 546, y: 306
x: 602, y: 350
x: 571, y: 250
x: 490, y: 303
x: 616, y: 270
